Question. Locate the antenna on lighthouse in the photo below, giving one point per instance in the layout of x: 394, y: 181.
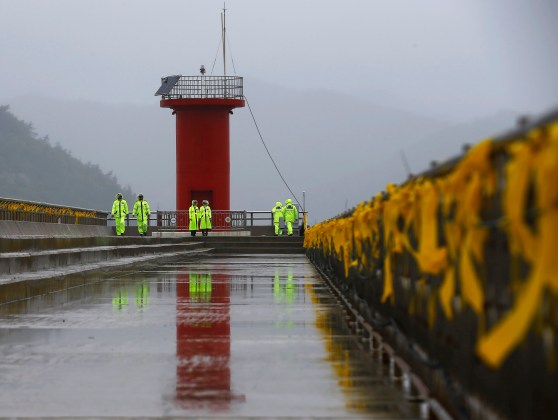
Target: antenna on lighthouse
x: 223, y: 36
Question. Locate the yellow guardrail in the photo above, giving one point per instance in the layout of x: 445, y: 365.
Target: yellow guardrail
x: 441, y: 222
x: 11, y: 209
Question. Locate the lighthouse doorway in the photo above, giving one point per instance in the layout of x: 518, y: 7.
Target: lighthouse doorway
x: 202, y: 195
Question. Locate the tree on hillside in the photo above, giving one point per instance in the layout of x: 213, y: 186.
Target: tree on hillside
x: 32, y: 169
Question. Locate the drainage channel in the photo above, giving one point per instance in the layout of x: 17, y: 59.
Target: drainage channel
x: 400, y: 371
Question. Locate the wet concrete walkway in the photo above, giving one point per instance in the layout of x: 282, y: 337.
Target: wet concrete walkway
x: 218, y: 336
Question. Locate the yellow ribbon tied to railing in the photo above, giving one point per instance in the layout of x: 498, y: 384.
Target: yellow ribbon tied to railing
x: 510, y: 331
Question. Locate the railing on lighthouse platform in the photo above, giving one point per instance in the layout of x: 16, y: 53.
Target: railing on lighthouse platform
x: 201, y: 87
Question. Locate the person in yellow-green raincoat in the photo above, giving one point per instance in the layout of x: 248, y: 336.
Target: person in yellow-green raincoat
x: 194, y: 214
x: 205, y: 217
x: 141, y: 211
x: 290, y: 213
x: 120, y: 211
x: 277, y: 212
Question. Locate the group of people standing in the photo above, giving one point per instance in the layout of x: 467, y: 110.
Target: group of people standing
x: 200, y: 217
x: 120, y: 211
x: 288, y: 212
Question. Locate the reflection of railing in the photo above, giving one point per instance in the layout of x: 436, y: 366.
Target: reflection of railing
x: 30, y: 211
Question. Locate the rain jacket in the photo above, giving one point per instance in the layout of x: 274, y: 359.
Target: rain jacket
x: 120, y: 209
x: 205, y: 217
x: 277, y: 212
x: 290, y: 213
x: 194, y: 213
x: 141, y: 211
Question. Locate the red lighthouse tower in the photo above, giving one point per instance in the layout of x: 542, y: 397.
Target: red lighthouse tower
x: 202, y: 105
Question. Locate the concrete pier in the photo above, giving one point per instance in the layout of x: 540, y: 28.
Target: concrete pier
x: 221, y: 335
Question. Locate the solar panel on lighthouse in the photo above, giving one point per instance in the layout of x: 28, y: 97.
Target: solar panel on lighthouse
x: 167, y: 83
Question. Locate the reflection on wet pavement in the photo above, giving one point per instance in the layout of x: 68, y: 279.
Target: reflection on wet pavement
x: 203, y: 341
x: 230, y: 336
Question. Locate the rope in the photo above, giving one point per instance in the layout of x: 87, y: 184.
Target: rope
x: 269, y: 154
x: 257, y: 128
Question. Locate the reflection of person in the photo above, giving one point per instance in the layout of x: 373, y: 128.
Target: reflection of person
x: 194, y: 213
x: 119, y: 211
x: 205, y: 218
x: 284, y: 293
x: 142, y: 295
x: 290, y: 213
x: 120, y: 299
x: 277, y: 212
x: 142, y: 212
x: 200, y: 287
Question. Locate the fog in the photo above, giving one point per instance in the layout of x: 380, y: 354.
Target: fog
x: 338, y: 88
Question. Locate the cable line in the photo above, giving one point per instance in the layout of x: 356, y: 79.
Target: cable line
x: 227, y: 41
x: 269, y: 154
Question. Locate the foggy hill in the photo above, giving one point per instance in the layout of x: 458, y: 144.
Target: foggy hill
x: 339, y: 148
x: 32, y: 169
x: 136, y: 143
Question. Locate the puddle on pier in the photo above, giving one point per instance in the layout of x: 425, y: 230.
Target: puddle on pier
x: 236, y: 336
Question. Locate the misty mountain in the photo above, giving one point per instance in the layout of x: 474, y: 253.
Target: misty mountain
x: 32, y: 169
x: 439, y: 146
x: 136, y: 143
x: 340, y: 149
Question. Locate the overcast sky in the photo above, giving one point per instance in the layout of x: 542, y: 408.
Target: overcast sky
x: 457, y: 59
x: 340, y: 88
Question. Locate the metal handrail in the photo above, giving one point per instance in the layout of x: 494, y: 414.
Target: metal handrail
x: 32, y: 211
x: 190, y: 87
x: 178, y: 220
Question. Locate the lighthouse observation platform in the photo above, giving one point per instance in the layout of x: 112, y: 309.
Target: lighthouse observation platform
x: 201, y: 87
x: 436, y: 298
